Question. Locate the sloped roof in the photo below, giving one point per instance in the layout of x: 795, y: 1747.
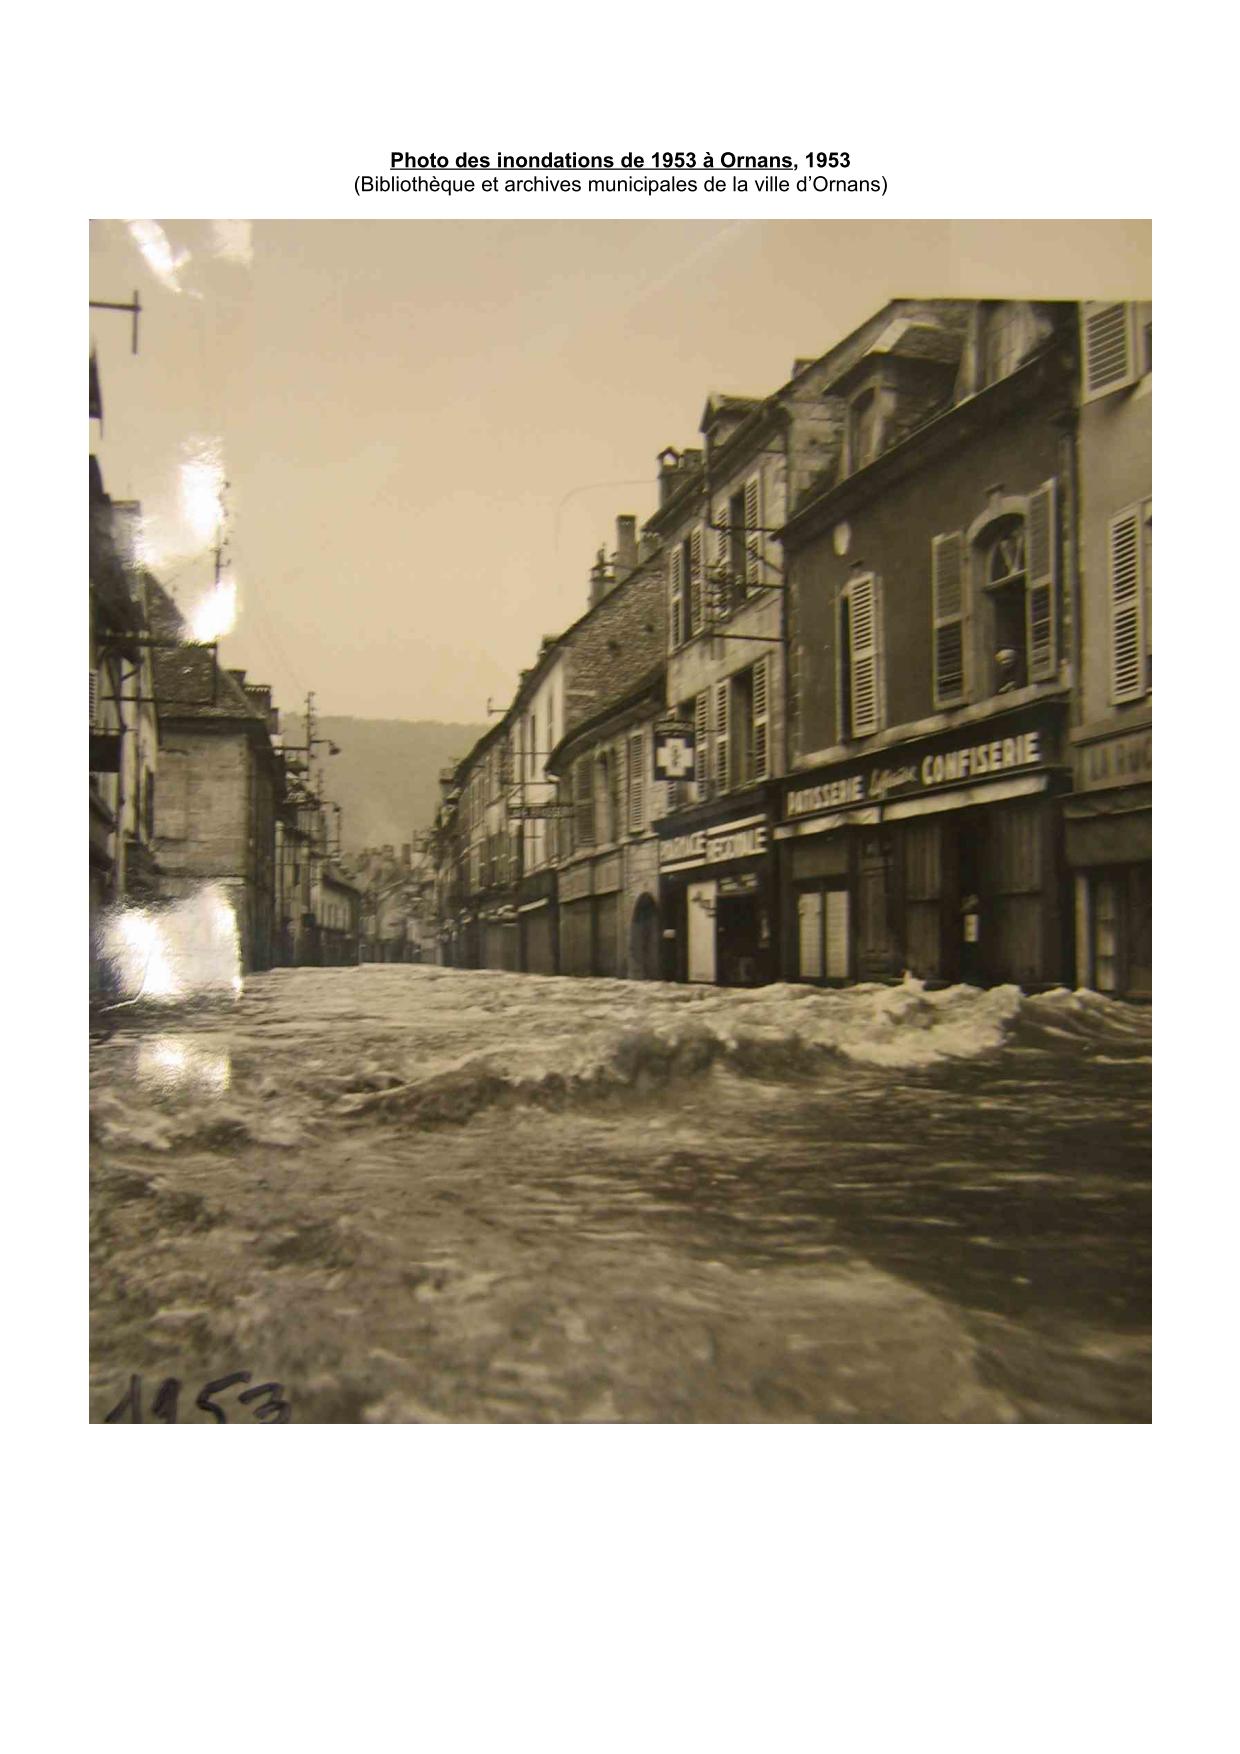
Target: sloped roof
x: 189, y: 683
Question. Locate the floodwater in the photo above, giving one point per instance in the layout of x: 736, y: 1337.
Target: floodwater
x: 410, y: 1193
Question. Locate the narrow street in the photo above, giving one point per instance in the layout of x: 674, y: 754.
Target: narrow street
x: 410, y: 1194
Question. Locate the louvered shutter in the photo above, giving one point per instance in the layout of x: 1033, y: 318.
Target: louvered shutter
x: 753, y: 534
x: 1127, y: 606
x: 761, y: 720
x: 583, y: 801
x: 1108, y: 349
x: 777, y: 496
x: 1041, y: 547
x: 696, y: 581
x: 720, y: 595
x: 636, y: 781
x: 94, y: 696
x: 722, y: 691
x: 675, y: 576
x: 949, y: 606
x: 701, y: 739
x: 863, y: 655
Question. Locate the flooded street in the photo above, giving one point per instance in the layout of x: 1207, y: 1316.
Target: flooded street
x: 413, y: 1193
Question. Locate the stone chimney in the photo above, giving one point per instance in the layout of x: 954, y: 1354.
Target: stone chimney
x: 601, y: 578
x: 669, y: 469
x: 626, y: 546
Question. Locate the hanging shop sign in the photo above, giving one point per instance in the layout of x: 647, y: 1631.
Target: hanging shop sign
x: 675, y: 751
x: 993, y: 749
x: 710, y: 846
x: 539, y: 812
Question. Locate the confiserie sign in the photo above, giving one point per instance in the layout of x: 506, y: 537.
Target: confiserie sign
x: 992, y: 750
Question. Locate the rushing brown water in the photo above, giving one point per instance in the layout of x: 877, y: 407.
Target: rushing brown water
x: 411, y: 1194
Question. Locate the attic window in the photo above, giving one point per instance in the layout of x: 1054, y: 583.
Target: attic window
x: 863, y: 430
x: 1002, y: 341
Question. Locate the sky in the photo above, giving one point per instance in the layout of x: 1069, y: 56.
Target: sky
x: 429, y: 427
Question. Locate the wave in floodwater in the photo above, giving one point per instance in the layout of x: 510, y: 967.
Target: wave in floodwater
x: 425, y: 1047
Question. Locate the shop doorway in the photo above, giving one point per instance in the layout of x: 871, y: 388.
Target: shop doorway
x: 970, y: 867
x: 644, y: 941
x: 738, y: 951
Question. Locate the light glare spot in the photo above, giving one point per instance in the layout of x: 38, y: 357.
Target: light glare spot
x: 216, y: 614
x: 164, y: 262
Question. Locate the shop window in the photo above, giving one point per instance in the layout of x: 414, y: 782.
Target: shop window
x: 1122, y: 931
x: 1129, y: 554
x: 861, y: 666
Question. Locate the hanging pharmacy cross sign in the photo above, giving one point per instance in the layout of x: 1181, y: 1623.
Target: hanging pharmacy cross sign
x: 675, y: 755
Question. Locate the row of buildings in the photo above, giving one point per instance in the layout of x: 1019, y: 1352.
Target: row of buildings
x: 192, y: 786
x: 869, y: 692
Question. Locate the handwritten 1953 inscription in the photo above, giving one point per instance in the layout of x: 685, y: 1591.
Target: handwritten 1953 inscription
x: 261, y: 1402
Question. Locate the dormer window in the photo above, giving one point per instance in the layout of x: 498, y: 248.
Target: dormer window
x: 862, y: 430
x: 1004, y: 339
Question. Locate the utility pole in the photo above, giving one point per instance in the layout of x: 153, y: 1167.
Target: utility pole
x: 135, y: 309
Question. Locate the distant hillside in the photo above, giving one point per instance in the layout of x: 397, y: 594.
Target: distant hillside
x: 386, y: 777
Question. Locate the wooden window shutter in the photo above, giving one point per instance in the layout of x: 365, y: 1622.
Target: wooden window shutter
x: 1041, y: 547
x: 1127, y: 605
x: 701, y: 740
x: 719, y: 595
x: 753, y: 533
x: 583, y: 800
x: 722, y: 692
x: 761, y: 720
x: 863, y: 634
x: 1108, y: 349
x: 777, y: 495
x: 675, y: 576
x: 94, y: 697
x: 949, y: 607
x: 723, y: 535
x: 636, y: 780
x: 696, y: 581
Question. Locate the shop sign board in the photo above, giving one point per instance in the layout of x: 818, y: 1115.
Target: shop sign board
x: 575, y: 883
x: 710, y: 846
x: 992, y: 749
x: 539, y: 812
x: 1127, y: 760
